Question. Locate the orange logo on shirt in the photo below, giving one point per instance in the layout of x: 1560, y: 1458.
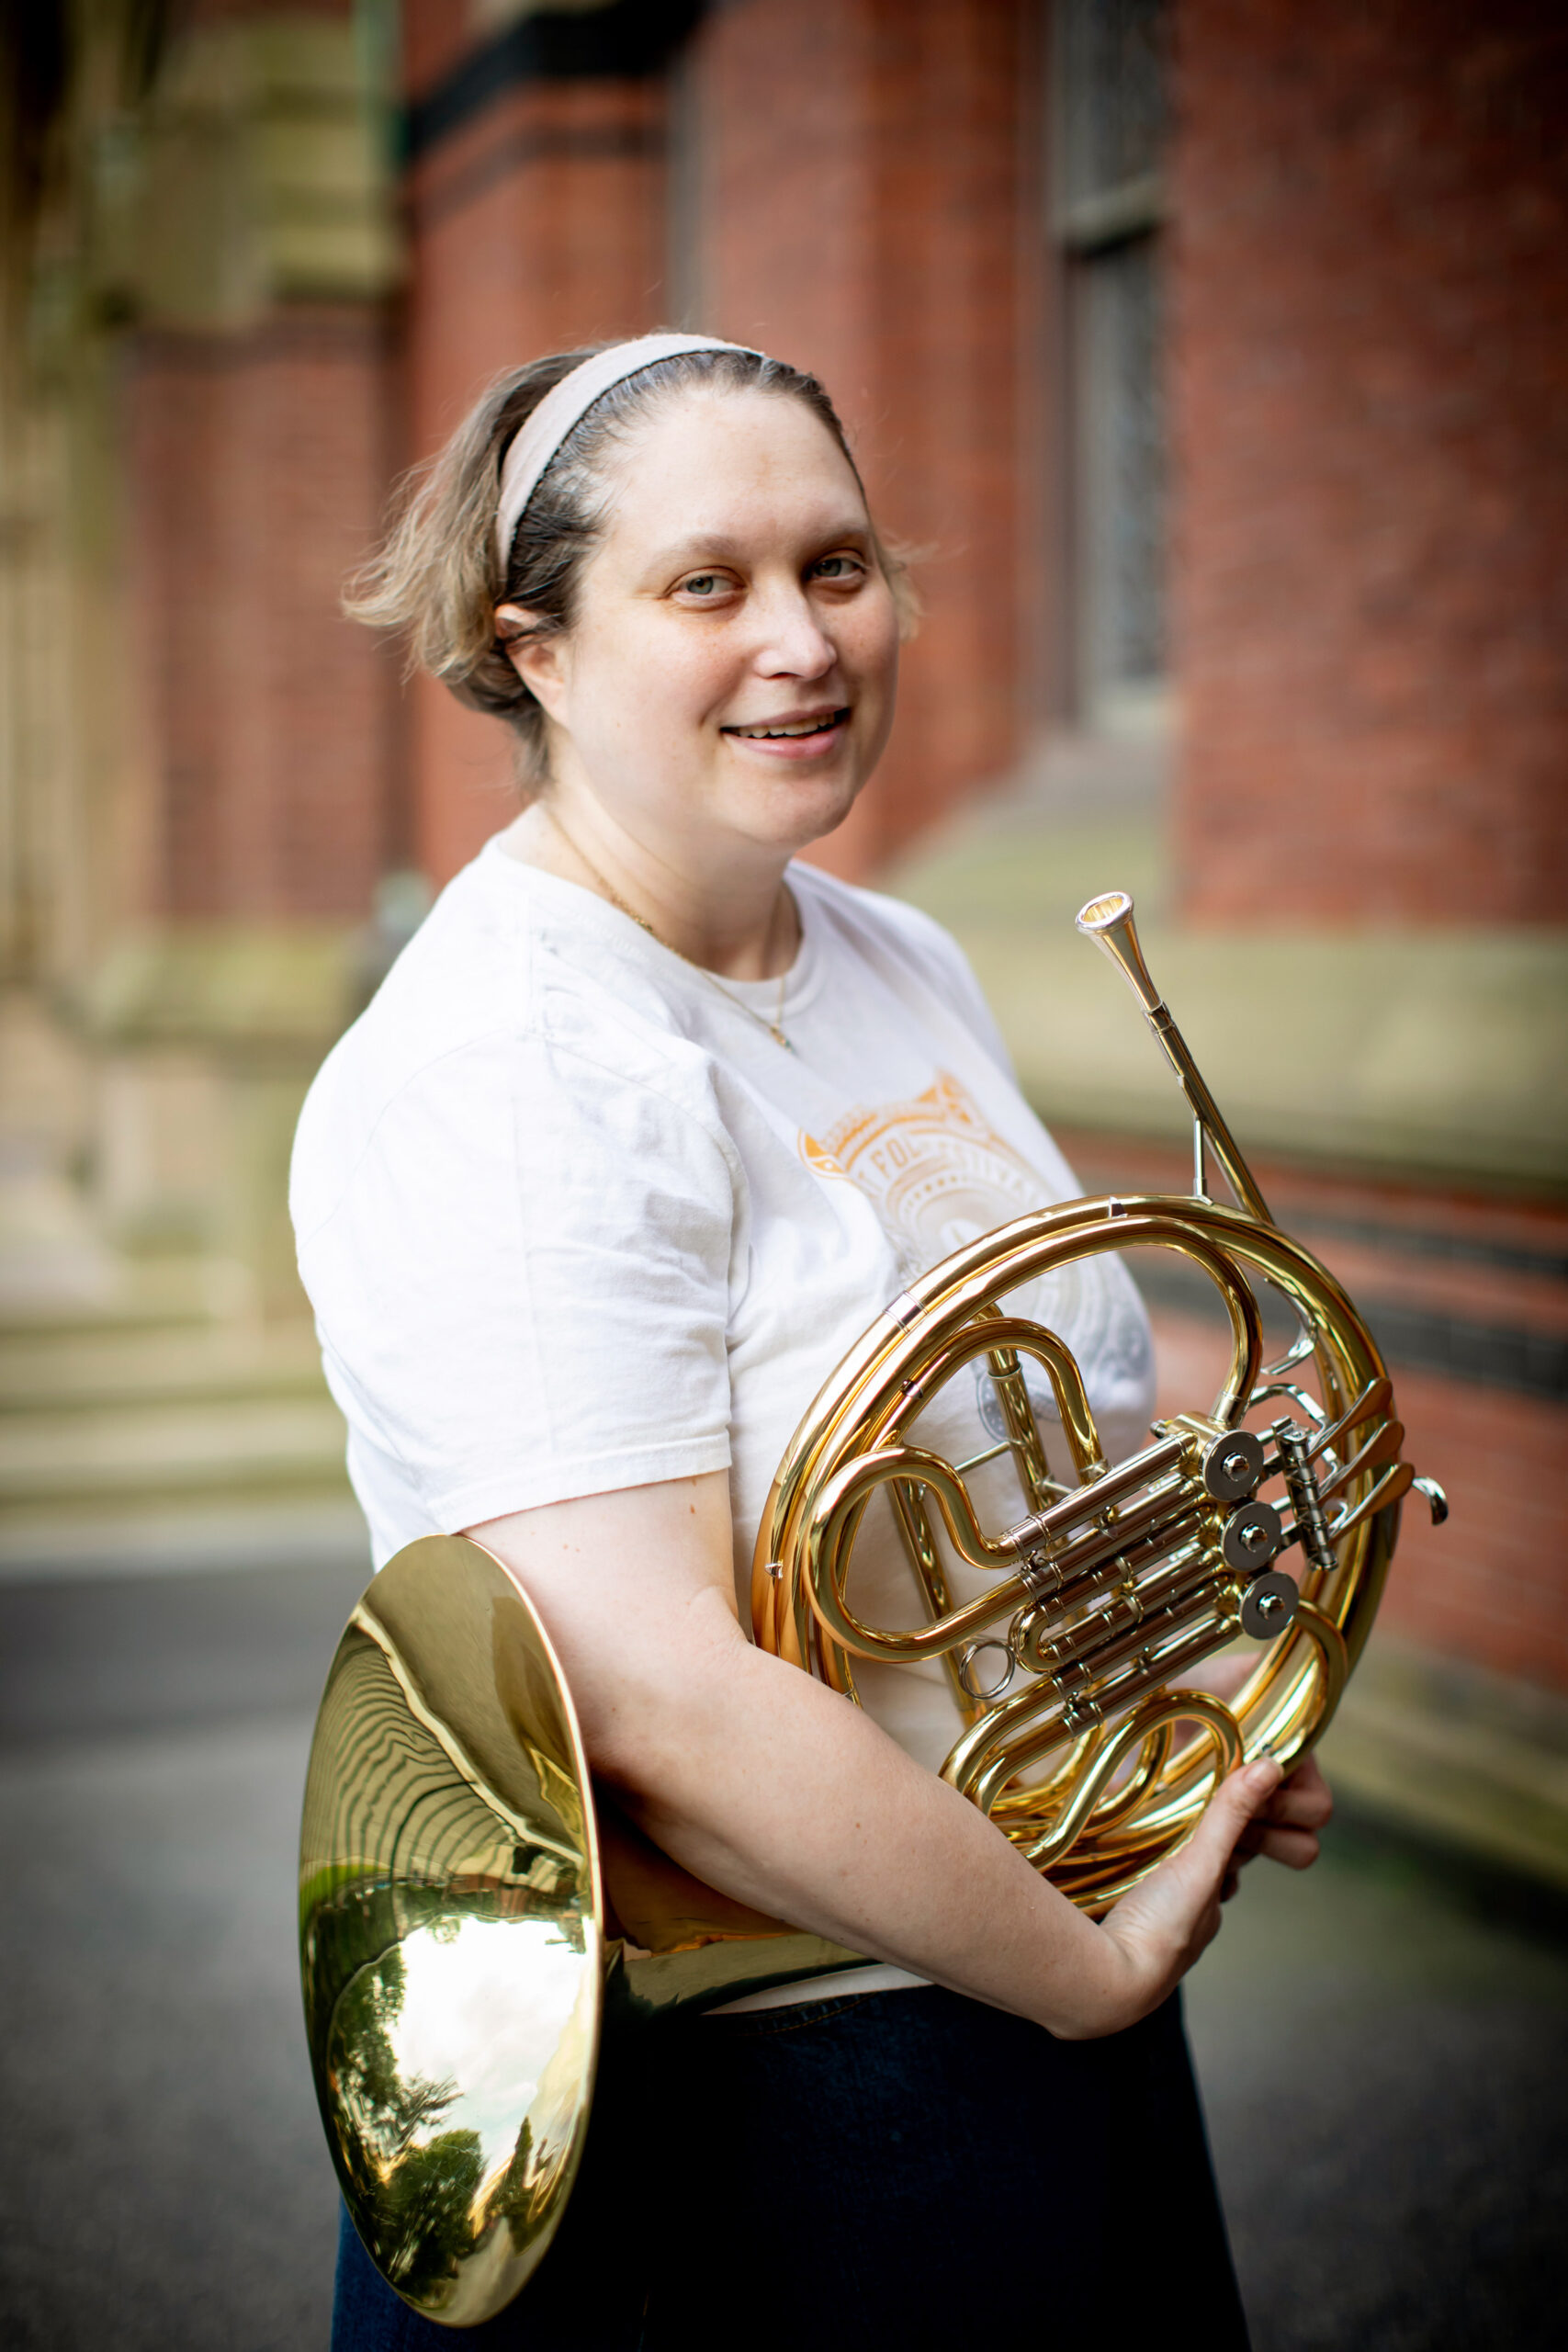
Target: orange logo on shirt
x: 937, y: 1172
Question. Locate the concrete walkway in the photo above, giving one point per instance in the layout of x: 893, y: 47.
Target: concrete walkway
x: 1385, y: 2047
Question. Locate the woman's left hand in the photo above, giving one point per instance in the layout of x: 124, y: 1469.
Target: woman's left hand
x: 1286, y: 1828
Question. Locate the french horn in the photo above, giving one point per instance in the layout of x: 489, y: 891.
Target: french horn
x: 479, y: 1926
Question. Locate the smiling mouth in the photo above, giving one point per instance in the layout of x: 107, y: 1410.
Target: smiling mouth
x: 788, y: 730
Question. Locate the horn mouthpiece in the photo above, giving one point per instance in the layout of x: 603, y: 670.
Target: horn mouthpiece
x: 1108, y: 921
x: 1102, y: 914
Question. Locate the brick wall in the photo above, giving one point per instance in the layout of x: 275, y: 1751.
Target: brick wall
x: 257, y: 466
x: 1369, y: 374
x: 1489, y: 1587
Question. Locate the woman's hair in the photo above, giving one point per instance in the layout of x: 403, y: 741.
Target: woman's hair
x: 437, y: 579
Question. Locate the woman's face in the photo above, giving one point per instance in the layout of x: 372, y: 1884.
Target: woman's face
x: 727, y: 684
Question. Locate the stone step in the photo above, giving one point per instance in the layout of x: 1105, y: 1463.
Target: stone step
x: 155, y: 1389
x: 1473, y: 1761
x: 134, y: 1454
x: 128, y: 1295
x: 96, y: 1368
x: 1428, y: 1053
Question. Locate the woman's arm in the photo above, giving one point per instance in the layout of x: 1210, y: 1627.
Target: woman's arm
x: 772, y: 1789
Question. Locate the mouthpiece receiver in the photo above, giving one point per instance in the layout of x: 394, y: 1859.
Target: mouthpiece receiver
x: 1108, y: 921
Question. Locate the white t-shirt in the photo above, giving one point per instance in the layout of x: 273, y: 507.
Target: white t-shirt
x: 572, y: 1220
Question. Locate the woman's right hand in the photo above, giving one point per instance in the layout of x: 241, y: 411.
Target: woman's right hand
x: 1158, y: 1932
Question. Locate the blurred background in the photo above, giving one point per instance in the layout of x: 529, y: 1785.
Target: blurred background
x: 1214, y: 354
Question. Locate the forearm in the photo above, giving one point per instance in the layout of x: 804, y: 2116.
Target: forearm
x: 767, y: 1785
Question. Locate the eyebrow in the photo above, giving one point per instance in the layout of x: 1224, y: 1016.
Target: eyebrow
x: 718, y: 546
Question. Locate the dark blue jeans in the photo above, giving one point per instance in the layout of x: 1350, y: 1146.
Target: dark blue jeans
x: 898, y: 2169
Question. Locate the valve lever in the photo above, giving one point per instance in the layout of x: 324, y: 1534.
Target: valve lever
x: 1382, y: 1447
x: 1437, y: 1501
x: 1375, y: 1398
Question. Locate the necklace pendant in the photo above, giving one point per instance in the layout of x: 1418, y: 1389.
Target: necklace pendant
x: 778, y: 1036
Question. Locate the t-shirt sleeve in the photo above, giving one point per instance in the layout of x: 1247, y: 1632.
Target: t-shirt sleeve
x: 523, y: 1288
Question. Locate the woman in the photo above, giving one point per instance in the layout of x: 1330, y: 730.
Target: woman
x: 641, y: 1131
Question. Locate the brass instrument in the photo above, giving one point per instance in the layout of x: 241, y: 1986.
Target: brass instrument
x: 475, y: 1918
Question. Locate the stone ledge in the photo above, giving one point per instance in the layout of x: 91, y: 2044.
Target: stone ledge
x: 1463, y: 1758
x: 1435, y: 1053
x: 226, y: 986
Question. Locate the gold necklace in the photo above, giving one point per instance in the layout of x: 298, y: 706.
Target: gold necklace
x: 775, y: 1028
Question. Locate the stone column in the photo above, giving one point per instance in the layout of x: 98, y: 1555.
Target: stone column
x: 256, y: 452
x: 202, y: 748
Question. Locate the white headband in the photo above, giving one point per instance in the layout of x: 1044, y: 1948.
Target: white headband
x: 541, y: 434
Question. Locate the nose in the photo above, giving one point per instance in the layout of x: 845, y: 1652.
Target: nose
x: 791, y: 640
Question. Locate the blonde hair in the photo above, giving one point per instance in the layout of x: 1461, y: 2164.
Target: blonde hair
x: 437, y: 578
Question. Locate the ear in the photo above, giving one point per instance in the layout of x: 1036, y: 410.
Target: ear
x: 539, y: 661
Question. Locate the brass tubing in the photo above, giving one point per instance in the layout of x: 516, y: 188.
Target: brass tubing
x: 1092, y: 1550
x: 1279, y: 1711
x: 1018, y: 1811
x: 989, y: 1762
x: 1022, y: 1428
x: 1306, y: 1670
x: 1118, y: 1803
x: 1019, y: 1419
x: 879, y: 1377
x: 919, y: 1548
x: 1161, y: 1707
x: 846, y: 1499
x: 985, y: 1777
x: 1227, y: 1150
x: 1036, y: 1802
x: 1084, y: 1637
x: 1139, y: 1470
x: 873, y: 1391
x: 991, y: 1333
x: 1094, y: 1774
x: 1331, y: 1650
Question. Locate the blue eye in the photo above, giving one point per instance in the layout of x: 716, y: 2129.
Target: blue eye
x: 836, y: 567
x: 701, y: 583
